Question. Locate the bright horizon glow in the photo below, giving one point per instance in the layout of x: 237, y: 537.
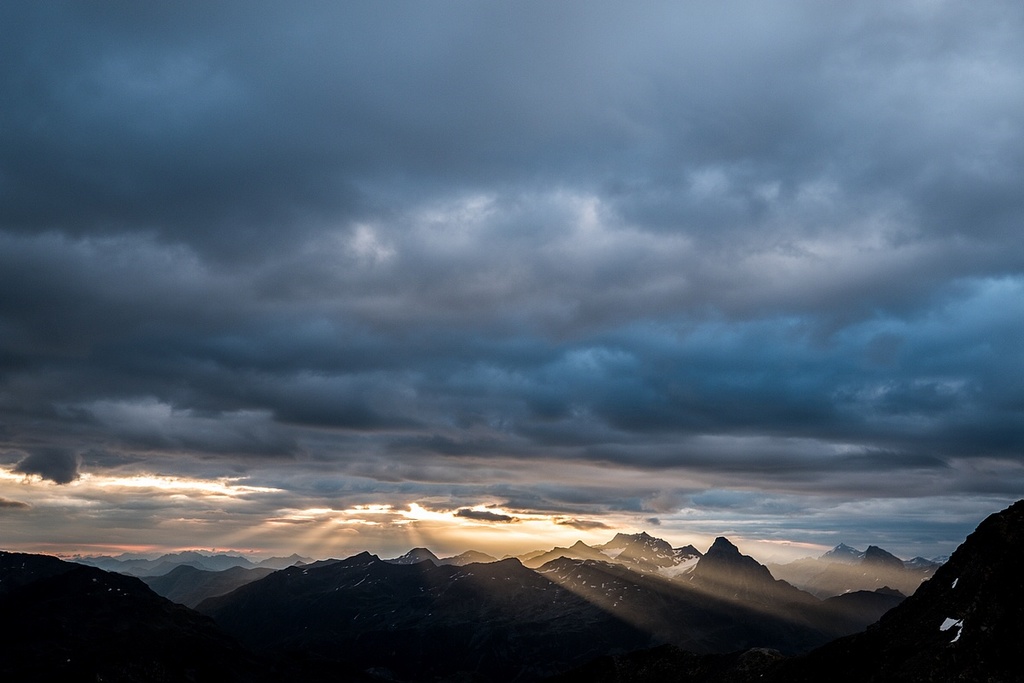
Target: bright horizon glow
x: 382, y: 528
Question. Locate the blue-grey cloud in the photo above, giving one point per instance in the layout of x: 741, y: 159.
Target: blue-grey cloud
x: 740, y: 246
x: 56, y: 464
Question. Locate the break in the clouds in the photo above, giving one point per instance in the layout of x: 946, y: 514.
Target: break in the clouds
x: 716, y: 264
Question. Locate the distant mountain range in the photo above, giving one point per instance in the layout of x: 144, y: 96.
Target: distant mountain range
x: 580, y: 613
x: 211, y: 562
x: 844, y: 569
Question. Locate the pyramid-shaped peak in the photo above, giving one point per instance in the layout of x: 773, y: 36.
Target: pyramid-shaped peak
x: 723, y: 546
x: 579, y: 545
x: 876, y: 555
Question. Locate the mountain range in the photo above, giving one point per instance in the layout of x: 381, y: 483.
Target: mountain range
x: 503, y: 621
x: 211, y: 562
x: 631, y: 609
x: 965, y: 623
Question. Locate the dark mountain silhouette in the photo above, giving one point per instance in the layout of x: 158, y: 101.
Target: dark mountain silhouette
x: 189, y: 586
x: 875, y: 556
x: 497, y: 622
x: 502, y: 621
x: 851, y: 611
x: 725, y: 571
x: 721, y: 616
x: 70, y: 622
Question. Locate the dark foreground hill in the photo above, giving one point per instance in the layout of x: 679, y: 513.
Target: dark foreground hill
x: 68, y: 622
x: 189, y: 586
x: 490, y: 622
x: 965, y: 624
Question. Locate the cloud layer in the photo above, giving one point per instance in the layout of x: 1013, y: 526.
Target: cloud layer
x: 745, y: 261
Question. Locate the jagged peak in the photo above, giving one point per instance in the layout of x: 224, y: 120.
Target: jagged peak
x: 363, y: 558
x: 625, y: 539
x: 688, y: 551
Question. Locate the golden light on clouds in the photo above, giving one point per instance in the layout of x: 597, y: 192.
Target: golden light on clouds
x: 149, y: 509
x: 222, y: 486
x: 227, y: 487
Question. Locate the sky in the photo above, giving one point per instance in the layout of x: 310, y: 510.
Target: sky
x: 322, y: 277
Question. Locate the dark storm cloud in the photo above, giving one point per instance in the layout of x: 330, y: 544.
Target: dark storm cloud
x: 13, y: 505
x: 484, y: 515
x: 773, y: 242
x: 56, y: 464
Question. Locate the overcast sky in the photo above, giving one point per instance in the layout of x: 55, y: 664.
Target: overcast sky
x: 326, y: 276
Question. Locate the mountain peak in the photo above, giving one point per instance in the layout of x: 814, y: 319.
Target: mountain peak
x: 843, y: 553
x: 878, y: 556
x: 725, y: 570
x: 723, y: 547
x: 414, y: 556
x: 621, y: 540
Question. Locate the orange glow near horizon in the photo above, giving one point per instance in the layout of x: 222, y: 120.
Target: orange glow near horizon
x: 145, y: 512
